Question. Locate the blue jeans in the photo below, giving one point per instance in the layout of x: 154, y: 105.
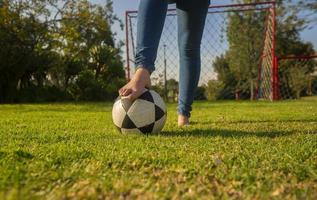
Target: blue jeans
x: 191, y: 15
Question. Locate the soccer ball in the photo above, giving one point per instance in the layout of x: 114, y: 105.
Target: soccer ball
x: 147, y: 114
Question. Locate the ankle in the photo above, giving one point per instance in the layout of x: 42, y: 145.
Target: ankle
x: 142, y: 76
x: 142, y: 71
x: 183, y: 120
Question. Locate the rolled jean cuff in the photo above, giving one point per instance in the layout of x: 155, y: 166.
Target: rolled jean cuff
x: 184, y: 113
x: 150, y: 68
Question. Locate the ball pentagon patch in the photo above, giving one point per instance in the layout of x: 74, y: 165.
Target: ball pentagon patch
x: 159, y: 113
x: 128, y: 123
x: 147, y: 96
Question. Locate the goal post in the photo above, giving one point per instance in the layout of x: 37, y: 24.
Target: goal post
x: 237, y: 52
x: 267, y: 85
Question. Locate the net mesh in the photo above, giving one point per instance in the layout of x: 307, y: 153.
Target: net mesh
x: 219, y: 39
x: 297, y: 77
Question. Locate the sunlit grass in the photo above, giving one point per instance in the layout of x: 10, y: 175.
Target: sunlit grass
x: 239, y: 150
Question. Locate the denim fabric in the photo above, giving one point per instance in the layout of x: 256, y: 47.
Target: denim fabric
x: 151, y: 17
x: 191, y: 20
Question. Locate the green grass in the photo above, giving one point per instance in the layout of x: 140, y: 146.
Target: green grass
x: 235, y: 150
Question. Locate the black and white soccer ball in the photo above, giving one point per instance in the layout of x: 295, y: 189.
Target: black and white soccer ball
x: 147, y: 114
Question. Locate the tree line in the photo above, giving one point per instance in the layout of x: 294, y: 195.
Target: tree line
x: 56, y: 50
x: 237, y: 68
x: 53, y: 50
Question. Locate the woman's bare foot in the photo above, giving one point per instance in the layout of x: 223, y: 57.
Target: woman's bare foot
x: 136, y: 85
x: 183, y: 120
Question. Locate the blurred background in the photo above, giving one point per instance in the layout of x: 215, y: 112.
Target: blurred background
x: 74, y: 50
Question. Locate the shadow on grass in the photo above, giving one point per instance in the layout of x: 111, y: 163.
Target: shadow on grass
x: 224, y: 133
x: 257, y: 122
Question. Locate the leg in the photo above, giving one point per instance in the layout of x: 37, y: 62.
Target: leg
x: 191, y: 21
x: 151, y: 17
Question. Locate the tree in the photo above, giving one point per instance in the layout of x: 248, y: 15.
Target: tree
x: 244, y: 45
x: 22, y: 38
x: 50, y: 43
x: 226, y: 83
x: 172, y: 90
x: 293, y: 75
x: 310, y: 8
x: 237, y: 68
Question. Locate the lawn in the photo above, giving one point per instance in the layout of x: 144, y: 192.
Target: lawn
x: 233, y: 150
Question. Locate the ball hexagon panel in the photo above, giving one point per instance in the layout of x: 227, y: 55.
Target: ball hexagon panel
x: 118, y: 113
x: 159, y: 124
x: 126, y: 103
x: 142, y: 113
x: 158, y: 100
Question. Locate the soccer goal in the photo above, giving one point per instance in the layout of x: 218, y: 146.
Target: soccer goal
x: 297, y: 76
x: 237, y: 52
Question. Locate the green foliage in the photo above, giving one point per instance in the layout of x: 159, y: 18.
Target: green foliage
x: 200, y: 93
x: 224, y: 87
x: 172, y: 90
x: 34, y: 93
x: 213, y: 90
x: 22, y: 37
x: 237, y: 68
x: 245, y: 45
x: 47, y: 44
x: 87, y: 87
x: 296, y: 78
x: 232, y: 150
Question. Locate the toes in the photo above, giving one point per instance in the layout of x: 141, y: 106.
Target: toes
x: 126, y: 92
x: 120, y: 91
x: 131, y: 96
